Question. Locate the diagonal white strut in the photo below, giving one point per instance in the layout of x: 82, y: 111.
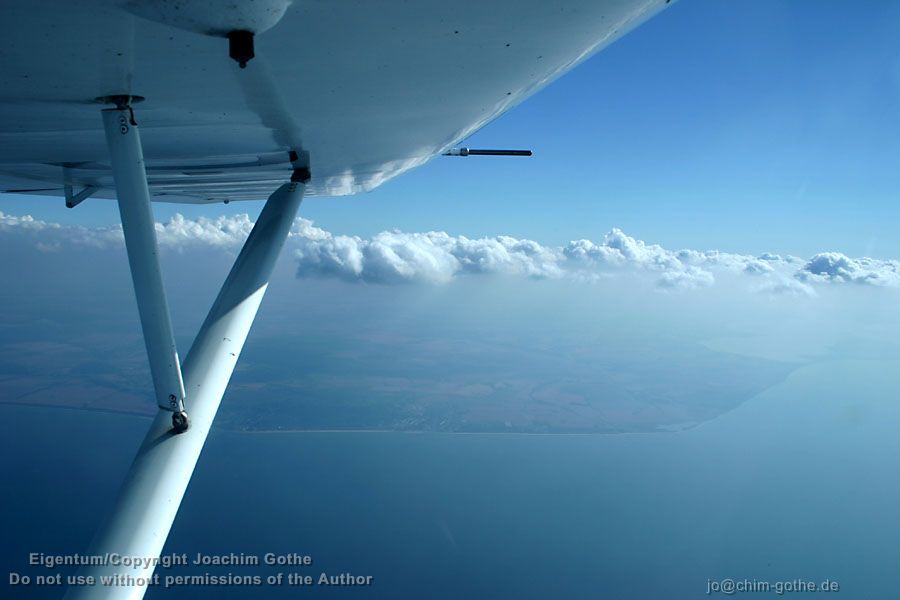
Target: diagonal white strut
x: 156, y: 483
x: 133, y: 196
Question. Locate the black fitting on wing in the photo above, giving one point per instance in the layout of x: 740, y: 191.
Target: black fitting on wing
x: 301, y: 175
x: 240, y: 46
x: 300, y: 162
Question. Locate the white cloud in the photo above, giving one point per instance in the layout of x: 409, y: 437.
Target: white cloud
x: 10, y: 223
x: 678, y: 269
x: 222, y: 232
x: 688, y: 278
x: 834, y: 267
x: 437, y: 257
x: 786, y: 286
x: 434, y: 257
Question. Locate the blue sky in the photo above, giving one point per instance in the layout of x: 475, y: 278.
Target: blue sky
x: 740, y: 126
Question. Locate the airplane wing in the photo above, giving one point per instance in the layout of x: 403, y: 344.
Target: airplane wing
x: 369, y: 88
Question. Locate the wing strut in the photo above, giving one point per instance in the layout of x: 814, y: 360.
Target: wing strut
x: 156, y: 483
x: 139, y: 227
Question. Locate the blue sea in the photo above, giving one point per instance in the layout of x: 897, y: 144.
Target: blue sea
x: 800, y: 483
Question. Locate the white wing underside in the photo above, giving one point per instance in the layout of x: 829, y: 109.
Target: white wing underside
x: 369, y: 88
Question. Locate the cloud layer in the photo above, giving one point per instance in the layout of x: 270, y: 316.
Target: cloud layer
x: 437, y: 257
x: 834, y: 267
